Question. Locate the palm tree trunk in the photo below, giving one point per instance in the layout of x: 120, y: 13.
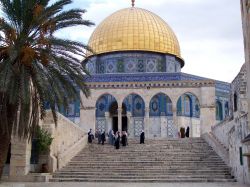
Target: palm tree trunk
x: 4, y: 147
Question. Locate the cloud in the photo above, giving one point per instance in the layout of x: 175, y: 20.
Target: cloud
x: 209, y: 31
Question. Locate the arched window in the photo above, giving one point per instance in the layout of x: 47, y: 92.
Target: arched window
x: 197, y: 108
x: 219, y: 115
x: 235, y: 102
x: 135, y: 104
x: 169, y: 107
x: 226, y: 109
x: 179, y: 107
x: 160, y: 105
x: 104, y: 104
x: 187, y: 106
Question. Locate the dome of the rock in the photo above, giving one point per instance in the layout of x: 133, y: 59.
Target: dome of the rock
x: 134, y: 29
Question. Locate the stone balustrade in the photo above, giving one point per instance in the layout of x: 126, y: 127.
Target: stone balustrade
x: 68, y: 140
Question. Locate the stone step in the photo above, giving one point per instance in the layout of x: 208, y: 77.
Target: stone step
x: 163, y: 170
x: 169, y: 160
x: 118, y: 159
x: 144, y: 176
x: 126, y: 173
x: 152, y: 180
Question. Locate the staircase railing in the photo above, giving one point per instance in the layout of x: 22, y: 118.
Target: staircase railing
x: 68, y: 140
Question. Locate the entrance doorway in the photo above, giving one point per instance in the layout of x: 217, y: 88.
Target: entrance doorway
x: 115, y: 124
x: 9, y: 155
x: 124, y: 123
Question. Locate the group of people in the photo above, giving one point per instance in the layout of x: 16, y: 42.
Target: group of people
x: 184, y: 133
x: 115, y: 139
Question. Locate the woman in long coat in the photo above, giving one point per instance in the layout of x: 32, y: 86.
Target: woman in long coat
x: 117, y: 140
x: 142, y: 137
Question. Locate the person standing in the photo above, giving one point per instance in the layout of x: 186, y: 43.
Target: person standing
x: 99, y: 136
x: 142, y: 137
x: 187, y: 132
x: 117, y: 140
x: 111, y: 137
x: 123, y: 139
x: 103, y: 138
x: 90, y: 136
x: 126, y: 134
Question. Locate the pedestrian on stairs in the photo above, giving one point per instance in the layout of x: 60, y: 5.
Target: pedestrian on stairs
x: 142, y: 137
x: 103, y: 138
x: 187, y: 132
x: 99, y: 134
x: 117, y: 140
x: 111, y: 136
x: 124, y: 138
x: 90, y: 136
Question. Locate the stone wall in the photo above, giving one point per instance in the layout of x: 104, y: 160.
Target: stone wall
x: 232, y: 131
x: 221, y: 131
x: 203, y: 90
x: 240, y: 130
x: 245, y: 12
x: 68, y: 140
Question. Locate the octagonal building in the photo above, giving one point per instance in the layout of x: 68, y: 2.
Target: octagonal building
x: 136, y: 81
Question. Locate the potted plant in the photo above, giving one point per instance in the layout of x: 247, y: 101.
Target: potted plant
x: 44, y: 140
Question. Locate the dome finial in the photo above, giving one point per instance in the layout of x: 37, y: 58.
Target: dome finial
x: 133, y: 3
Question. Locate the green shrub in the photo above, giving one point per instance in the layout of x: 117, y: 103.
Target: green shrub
x: 44, y: 140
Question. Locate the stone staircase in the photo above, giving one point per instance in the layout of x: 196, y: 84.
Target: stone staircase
x: 169, y: 160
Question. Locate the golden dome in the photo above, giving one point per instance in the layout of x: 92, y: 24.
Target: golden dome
x: 134, y: 29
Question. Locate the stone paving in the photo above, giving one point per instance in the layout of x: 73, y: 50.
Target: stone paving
x: 122, y: 185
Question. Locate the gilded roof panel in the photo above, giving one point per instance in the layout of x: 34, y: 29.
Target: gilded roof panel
x: 134, y: 29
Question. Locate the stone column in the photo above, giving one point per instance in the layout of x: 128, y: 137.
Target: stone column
x: 108, y: 124
x: 175, y: 119
x: 130, y: 126
x: 246, y: 32
x: 207, y: 109
x: 119, y: 119
x: 146, y: 125
x: 20, y: 158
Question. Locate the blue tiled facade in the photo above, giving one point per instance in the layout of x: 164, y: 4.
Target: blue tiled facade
x: 132, y: 62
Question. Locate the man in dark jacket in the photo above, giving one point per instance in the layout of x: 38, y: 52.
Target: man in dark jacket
x: 142, y: 137
x: 103, y: 138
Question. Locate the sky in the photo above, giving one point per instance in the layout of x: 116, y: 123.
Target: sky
x: 209, y: 31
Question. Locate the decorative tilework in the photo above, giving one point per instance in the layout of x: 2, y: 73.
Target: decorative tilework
x: 172, y: 129
x: 101, y: 124
x: 130, y: 66
x: 120, y: 66
x: 91, y: 67
x: 151, y: 65
x: 160, y: 105
x: 135, y: 104
x: 139, y: 126
x: 188, y: 105
x: 101, y: 67
x: 140, y: 66
x: 103, y: 104
x: 110, y: 66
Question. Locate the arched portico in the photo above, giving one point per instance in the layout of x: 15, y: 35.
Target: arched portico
x: 106, y: 113
x: 161, y: 117
x: 188, y: 113
x: 133, y: 116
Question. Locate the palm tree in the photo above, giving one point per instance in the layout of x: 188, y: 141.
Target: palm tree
x: 36, y: 66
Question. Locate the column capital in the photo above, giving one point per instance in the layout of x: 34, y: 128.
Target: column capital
x: 119, y: 110
x: 107, y: 114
